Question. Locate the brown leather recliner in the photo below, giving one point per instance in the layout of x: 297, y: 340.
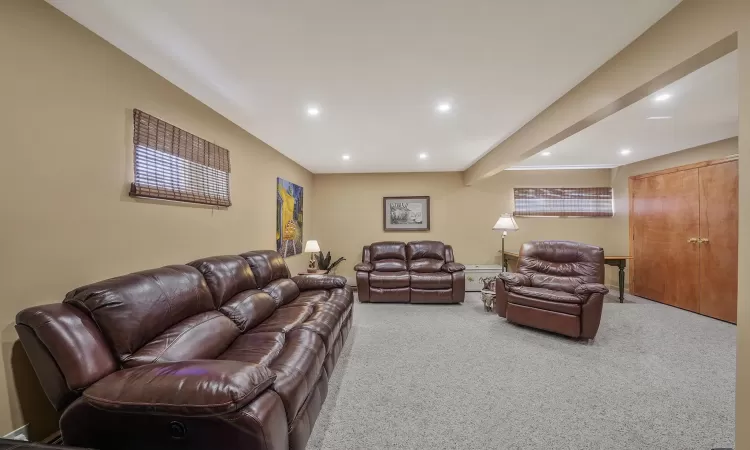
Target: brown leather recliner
x: 225, y: 352
x: 417, y: 272
x: 559, y: 287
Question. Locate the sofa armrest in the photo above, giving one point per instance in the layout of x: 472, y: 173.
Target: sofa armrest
x: 364, y: 267
x: 584, y: 291
x: 313, y: 282
x: 514, y: 279
x: 186, y: 388
x: 453, y: 267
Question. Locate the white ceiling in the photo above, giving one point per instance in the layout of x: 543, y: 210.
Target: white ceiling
x: 376, y: 69
x: 703, y: 108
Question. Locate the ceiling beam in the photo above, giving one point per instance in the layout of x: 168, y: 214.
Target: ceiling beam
x: 693, y: 34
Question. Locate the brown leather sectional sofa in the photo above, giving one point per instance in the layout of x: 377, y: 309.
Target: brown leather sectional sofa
x: 559, y: 288
x: 417, y: 272
x: 225, y: 352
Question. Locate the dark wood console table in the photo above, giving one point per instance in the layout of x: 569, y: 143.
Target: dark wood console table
x: 618, y: 261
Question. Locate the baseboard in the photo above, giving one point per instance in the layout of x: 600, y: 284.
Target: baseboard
x: 19, y: 434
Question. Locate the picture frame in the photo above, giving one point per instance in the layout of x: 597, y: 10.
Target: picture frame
x: 408, y: 213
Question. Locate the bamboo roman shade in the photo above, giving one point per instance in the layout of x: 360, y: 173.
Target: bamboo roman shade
x: 563, y: 202
x: 172, y: 164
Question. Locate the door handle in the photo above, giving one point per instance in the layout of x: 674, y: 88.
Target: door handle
x: 694, y: 240
x: 702, y: 240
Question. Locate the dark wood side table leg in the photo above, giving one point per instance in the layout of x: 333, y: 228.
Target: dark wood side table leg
x: 621, y: 265
x: 505, y: 263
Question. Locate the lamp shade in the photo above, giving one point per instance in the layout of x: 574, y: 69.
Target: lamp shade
x: 506, y: 222
x: 312, y: 246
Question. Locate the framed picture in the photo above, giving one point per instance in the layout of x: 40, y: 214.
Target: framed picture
x: 288, y: 218
x: 406, y: 213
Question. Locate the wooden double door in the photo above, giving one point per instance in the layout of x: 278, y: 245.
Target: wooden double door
x: 684, y: 226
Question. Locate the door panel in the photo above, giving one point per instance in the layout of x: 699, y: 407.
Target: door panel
x: 719, y: 201
x: 665, y: 214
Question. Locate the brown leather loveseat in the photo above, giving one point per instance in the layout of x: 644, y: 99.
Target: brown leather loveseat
x: 559, y: 287
x: 417, y: 272
x: 225, y: 352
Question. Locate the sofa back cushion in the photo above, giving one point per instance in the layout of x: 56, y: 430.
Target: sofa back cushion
x: 226, y: 276
x: 561, y: 265
x: 425, y: 256
x: 267, y: 266
x: 132, y: 310
x: 388, y: 256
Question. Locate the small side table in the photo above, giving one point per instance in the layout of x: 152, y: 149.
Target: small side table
x: 488, y: 298
x: 317, y: 272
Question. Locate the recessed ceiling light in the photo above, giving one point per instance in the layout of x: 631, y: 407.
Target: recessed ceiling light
x: 659, y: 117
x: 546, y: 153
x: 346, y: 157
x: 662, y: 97
x: 625, y: 151
x: 444, y: 107
x: 423, y: 156
x: 313, y: 111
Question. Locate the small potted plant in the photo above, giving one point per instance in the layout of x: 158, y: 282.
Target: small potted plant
x: 324, y: 262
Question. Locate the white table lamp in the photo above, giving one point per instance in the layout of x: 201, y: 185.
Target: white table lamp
x: 312, y: 248
x: 505, y: 223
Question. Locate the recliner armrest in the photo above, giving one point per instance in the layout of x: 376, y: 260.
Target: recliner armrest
x: 364, y: 267
x: 453, y: 267
x: 313, y: 282
x: 514, y: 279
x: 186, y: 388
x: 584, y: 291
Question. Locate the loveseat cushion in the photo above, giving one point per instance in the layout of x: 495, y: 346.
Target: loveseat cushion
x: 389, y: 280
x: 545, y: 294
x: 431, y: 280
x: 186, y: 388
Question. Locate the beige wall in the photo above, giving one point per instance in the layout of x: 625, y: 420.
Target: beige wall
x: 743, y: 307
x: 67, y: 98
x: 348, y: 212
x: 619, y: 244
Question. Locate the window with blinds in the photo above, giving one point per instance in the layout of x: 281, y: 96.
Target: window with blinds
x: 172, y: 164
x: 563, y: 202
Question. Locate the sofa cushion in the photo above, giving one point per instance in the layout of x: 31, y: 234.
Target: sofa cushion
x: 249, y: 308
x: 297, y: 369
x: 267, y: 265
x: 202, y: 336
x: 283, y: 290
x: 255, y: 348
x: 545, y: 294
x: 436, y: 280
x: 389, y: 280
x: 284, y: 319
x: 308, y: 298
x: 133, y: 309
x: 225, y: 276
x: 547, y: 305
